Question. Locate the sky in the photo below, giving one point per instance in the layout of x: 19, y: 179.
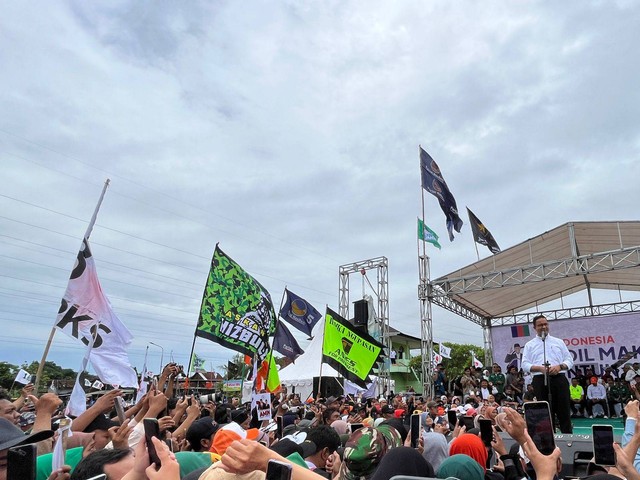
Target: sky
x: 288, y: 132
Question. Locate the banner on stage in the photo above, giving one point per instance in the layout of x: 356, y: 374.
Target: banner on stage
x: 592, y: 341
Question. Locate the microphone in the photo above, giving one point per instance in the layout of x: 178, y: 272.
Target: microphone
x: 543, y: 335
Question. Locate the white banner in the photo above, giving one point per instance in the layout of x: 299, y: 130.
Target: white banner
x: 592, y: 341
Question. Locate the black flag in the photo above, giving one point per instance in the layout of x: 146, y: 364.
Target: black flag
x: 285, y: 343
x: 433, y: 182
x: 481, y: 234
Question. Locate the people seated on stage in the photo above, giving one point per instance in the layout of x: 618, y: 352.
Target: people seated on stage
x: 578, y: 403
x: 597, y: 395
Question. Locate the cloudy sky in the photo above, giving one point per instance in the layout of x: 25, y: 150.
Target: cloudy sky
x: 288, y: 132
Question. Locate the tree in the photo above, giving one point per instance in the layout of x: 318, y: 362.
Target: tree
x: 8, y: 374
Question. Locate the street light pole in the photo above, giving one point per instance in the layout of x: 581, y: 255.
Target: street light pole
x: 161, y: 356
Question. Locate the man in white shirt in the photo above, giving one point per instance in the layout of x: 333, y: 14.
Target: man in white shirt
x: 558, y: 361
x: 596, y: 394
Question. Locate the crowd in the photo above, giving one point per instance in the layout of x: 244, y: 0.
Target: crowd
x: 336, y: 437
x: 611, y: 390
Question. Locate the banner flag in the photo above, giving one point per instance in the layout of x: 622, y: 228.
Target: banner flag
x: 23, y: 377
x: 236, y: 310
x: 299, y: 313
x: 433, y: 182
x: 437, y: 358
x: 197, y: 362
x: 86, y: 314
x: 285, y: 343
x: 87, y: 382
x: 481, y: 234
x: 445, y: 351
x: 97, y: 385
x: 351, y: 353
x: 428, y: 235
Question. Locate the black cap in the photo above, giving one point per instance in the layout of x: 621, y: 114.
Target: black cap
x: 101, y: 422
x: 387, y: 409
x: 200, y: 429
x: 239, y: 416
x: 11, y: 436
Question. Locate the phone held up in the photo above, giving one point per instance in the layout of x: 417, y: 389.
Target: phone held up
x: 21, y: 462
x: 416, y: 427
x: 540, y: 426
x: 278, y: 470
x: 152, y: 429
x: 603, y: 445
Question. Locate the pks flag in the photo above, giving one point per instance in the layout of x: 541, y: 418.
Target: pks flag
x: 351, y: 353
x: 428, y: 235
x: 236, y: 310
x: 476, y: 363
x: 433, y: 182
x: 197, y: 363
x: 23, y: 377
x: 299, y: 313
x: 481, y: 234
x: 267, y: 377
x: 445, y: 351
x: 285, y: 343
x: 86, y: 315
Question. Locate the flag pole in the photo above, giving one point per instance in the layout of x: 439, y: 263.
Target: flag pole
x: 53, y: 329
x: 473, y: 237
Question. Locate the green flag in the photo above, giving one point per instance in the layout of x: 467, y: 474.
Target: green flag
x: 350, y: 352
x: 426, y: 234
x: 236, y: 312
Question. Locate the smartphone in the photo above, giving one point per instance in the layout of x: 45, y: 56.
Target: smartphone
x: 603, y: 445
x: 279, y: 429
x: 452, y: 416
x: 356, y: 426
x: 486, y: 431
x: 152, y: 429
x: 119, y: 405
x: 467, y: 422
x: 539, y: 425
x: 21, y: 462
x: 278, y: 470
x: 416, y: 427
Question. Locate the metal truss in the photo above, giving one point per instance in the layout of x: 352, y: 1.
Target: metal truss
x: 426, y: 327
x: 569, y: 267
x: 438, y: 297
x: 568, y: 313
x: 381, y: 265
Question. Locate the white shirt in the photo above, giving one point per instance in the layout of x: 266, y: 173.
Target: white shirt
x: 596, y: 392
x: 557, y: 353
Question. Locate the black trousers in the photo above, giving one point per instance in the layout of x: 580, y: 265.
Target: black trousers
x: 560, y: 398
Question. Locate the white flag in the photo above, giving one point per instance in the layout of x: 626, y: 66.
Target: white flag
x: 97, y: 385
x: 437, y: 358
x: 445, y: 351
x: 86, y: 314
x: 23, y: 377
x: 476, y: 363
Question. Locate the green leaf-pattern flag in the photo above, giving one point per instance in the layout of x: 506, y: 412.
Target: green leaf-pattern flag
x: 237, y: 311
x: 351, y: 353
x: 426, y: 234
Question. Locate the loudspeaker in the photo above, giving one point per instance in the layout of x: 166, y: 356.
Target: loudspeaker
x: 330, y: 386
x: 361, y: 313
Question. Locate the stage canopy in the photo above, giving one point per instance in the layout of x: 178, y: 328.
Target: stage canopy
x: 568, y: 259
